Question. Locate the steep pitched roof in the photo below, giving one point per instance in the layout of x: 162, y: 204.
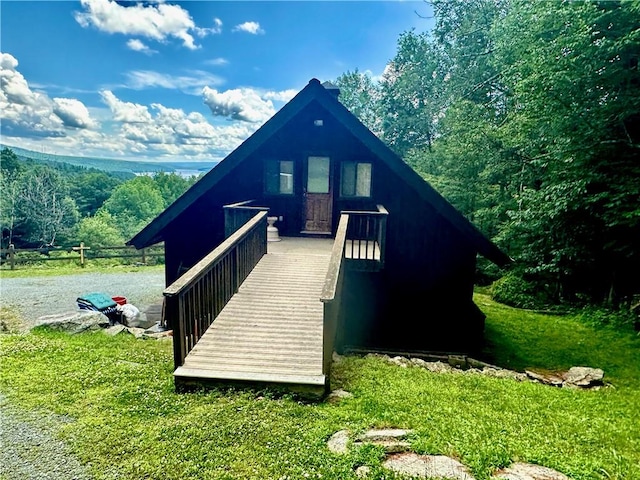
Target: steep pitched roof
x: 314, y: 91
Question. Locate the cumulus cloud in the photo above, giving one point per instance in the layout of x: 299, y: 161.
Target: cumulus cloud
x: 126, y: 112
x: 281, y: 96
x: 156, y: 21
x: 25, y: 112
x: 191, y: 83
x: 137, y: 46
x: 73, y: 113
x: 249, y: 27
x: 238, y: 104
x: 160, y: 130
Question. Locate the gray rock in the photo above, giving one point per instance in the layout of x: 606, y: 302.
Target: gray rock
x: 75, y: 322
x: 390, y: 439
x: 116, y: 330
x: 439, y: 367
x: 427, y: 466
x: 338, y: 395
x: 528, y: 471
x: 547, y: 378
x: 584, y: 377
x: 339, y: 442
x: 377, y: 434
x: 363, y: 471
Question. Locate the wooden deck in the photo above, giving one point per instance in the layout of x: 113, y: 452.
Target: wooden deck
x: 271, y: 330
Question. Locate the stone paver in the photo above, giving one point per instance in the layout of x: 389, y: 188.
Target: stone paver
x: 427, y: 466
x: 528, y: 471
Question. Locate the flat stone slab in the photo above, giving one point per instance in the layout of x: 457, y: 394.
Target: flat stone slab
x: 381, y: 434
x: 427, y: 466
x: 339, y: 442
x: 528, y: 471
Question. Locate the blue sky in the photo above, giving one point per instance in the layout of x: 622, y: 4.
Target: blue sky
x: 176, y: 80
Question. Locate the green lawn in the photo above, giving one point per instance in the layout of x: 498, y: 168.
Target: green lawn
x: 130, y: 424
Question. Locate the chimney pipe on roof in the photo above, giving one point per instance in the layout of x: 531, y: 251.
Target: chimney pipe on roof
x: 331, y: 88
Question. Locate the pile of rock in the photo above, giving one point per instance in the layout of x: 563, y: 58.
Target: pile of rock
x: 575, y: 377
x: 89, y: 320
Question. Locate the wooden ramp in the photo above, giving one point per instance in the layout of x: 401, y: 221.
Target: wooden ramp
x: 271, y: 330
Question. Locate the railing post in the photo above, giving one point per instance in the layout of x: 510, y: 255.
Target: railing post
x: 12, y: 256
x: 172, y: 321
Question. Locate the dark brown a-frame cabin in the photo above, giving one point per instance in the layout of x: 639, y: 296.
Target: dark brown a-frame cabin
x: 369, y: 257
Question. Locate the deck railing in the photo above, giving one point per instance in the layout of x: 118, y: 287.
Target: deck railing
x: 237, y: 214
x: 332, y: 294
x: 366, y: 236
x: 195, y: 299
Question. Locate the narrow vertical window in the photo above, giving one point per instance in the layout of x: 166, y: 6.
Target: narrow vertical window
x: 279, y: 177
x: 355, y: 179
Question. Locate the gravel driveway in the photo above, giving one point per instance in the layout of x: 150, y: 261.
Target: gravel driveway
x: 47, y: 295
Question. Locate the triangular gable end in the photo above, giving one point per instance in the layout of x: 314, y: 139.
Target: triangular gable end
x: 153, y: 232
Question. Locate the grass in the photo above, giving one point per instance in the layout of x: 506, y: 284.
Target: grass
x: 130, y: 424
x: 73, y: 268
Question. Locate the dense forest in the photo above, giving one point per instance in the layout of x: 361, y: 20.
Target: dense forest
x: 526, y: 116
x: 52, y: 203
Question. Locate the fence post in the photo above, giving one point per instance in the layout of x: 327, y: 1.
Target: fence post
x: 144, y: 256
x: 12, y: 256
x: 82, y: 248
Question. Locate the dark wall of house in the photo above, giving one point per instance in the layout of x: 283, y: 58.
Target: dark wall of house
x: 422, y: 300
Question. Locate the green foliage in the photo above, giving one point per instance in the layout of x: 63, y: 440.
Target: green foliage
x: 9, y: 162
x: 99, y: 231
x: 133, y: 204
x: 515, y: 291
x: 361, y: 95
x: 172, y: 185
x: 91, y: 189
x: 44, y: 207
x: 525, y: 115
x: 410, y: 95
x: 120, y: 392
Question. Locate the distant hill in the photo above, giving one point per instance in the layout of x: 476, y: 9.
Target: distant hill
x: 118, y: 166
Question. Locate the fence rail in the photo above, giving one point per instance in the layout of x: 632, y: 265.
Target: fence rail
x: 19, y: 256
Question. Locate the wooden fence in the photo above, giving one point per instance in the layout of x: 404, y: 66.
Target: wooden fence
x: 81, y: 253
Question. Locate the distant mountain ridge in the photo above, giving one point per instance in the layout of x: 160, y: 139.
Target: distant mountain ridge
x: 112, y: 165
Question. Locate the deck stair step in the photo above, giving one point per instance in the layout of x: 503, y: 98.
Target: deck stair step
x: 271, y: 330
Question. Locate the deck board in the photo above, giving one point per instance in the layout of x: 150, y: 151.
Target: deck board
x: 271, y: 329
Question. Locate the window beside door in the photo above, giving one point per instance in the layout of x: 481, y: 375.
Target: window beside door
x: 279, y: 177
x: 355, y: 179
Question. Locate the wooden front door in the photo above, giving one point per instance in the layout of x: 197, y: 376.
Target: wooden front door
x: 317, y: 196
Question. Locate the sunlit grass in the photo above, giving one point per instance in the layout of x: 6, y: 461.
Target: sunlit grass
x: 130, y: 423
x: 69, y: 268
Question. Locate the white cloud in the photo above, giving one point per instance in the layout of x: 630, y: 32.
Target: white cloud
x: 216, y: 29
x: 161, y: 131
x: 281, y: 96
x: 249, y: 27
x: 137, y: 46
x: 239, y: 104
x: 25, y: 112
x: 158, y: 22
x: 73, y: 113
x: 217, y: 62
x: 126, y: 112
x: 192, y: 83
